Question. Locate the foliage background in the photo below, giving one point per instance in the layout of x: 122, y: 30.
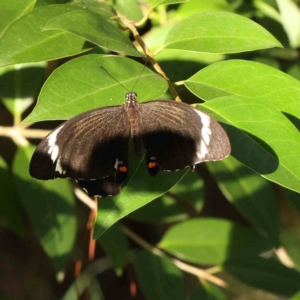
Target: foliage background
x: 228, y: 231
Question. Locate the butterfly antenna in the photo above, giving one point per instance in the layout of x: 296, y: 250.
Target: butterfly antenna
x: 114, y: 79
x: 140, y: 73
x: 147, y: 59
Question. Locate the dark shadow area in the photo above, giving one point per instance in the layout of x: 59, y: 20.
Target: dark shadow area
x: 28, y: 80
x: 245, y: 263
x: 293, y: 119
x: 184, y: 68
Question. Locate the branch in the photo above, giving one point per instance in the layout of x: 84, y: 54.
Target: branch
x: 131, y: 26
x: 181, y: 265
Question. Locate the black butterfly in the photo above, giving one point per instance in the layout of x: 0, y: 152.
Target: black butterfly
x: 93, y: 147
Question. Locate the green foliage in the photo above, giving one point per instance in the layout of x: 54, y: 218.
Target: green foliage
x: 233, y: 60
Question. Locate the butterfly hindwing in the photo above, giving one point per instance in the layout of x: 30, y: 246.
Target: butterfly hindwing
x: 177, y: 135
x: 107, y: 186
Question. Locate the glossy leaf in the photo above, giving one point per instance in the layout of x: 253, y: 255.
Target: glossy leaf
x: 271, y: 152
x: 93, y: 28
x: 82, y: 84
x: 212, y: 241
x: 247, y: 79
x: 162, y: 210
x: 12, y: 10
x: 26, y: 41
x: 140, y: 189
x: 101, y: 8
x: 51, y: 2
x: 266, y: 274
x: 194, y: 6
x: 130, y: 9
x: 294, y: 71
x: 251, y: 194
x: 50, y: 206
x: 219, y: 32
x: 183, y: 199
x: 157, y: 276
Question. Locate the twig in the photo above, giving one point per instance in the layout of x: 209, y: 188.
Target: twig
x: 82, y: 196
x: 21, y: 131
x: 181, y: 265
x: 131, y: 26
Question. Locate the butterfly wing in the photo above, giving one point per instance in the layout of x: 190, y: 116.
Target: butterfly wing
x: 89, y: 147
x: 177, y: 135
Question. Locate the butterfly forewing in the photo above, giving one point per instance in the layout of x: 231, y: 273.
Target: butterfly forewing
x: 177, y: 135
x: 88, y: 146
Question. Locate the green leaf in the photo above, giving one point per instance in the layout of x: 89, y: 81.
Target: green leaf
x: 81, y: 85
x: 184, y: 198
x: 261, y: 137
x: 19, y: 85
x: 94, y: 290
x: 51, y: 2
x: 194, y: 6
x: 139, y: 190
x: 157, y: 276
x: 130, y: 9
x: 100, y: 8
x: 94, y: 28
x: 50, y: 206
x: 207, y: 291
x: 190, y: 188
x: 296, y: 296
x: 251, y: 194
x: 12, y: 10
x: 294, y: 71
x: 25, y: 41
x: 219, y: 32
x: 10, y: 213
x: 86, y: 281
x: 162, y: 210
x: 265, y: 274
x: 268, y: 9
x: 115, y: 245
x: 248, y: 79
x: 212, y: 241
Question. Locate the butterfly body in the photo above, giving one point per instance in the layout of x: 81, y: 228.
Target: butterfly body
x: 92, y: 147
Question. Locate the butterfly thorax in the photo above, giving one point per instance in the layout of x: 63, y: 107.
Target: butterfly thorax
x: 132, y: 108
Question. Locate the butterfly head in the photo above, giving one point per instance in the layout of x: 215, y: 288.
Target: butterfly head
x: 131, y: 97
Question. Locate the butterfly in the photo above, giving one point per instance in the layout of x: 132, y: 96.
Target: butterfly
x: 92, y: 147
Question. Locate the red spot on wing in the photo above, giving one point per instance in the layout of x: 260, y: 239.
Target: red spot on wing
x: 123, y: 169
x: 152, y: 164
